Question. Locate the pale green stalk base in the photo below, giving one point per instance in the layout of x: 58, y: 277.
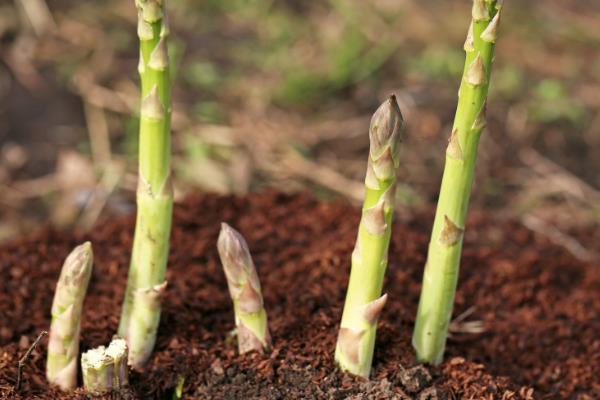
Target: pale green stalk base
x: 150, y: 251
x: 252, y: 331
x: 365, y: 286
x: 140, y: 315
x: 441, y: 270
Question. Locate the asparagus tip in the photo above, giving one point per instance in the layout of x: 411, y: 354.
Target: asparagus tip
x: 386, y: 122
x: 232, y: 244
x: 384, y: 137
x: 77, y: 267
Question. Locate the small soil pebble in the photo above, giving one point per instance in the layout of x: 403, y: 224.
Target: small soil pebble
x: 432, y: 393
x: 414, y: 379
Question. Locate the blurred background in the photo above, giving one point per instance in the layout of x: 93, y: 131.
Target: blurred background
x: 279, y: 93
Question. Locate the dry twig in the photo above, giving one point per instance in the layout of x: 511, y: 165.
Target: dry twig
x: 26, y: 356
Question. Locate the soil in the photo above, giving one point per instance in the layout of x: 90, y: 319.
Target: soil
x: 539, y: 306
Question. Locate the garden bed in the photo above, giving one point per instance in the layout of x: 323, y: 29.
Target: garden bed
x: 539, y: 307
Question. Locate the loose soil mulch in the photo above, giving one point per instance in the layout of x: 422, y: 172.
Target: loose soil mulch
x: 539, y: 306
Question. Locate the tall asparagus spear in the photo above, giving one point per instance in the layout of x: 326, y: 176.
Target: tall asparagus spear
x: 146, y: 283
x: 63, y: 345
x: 244, y: 288
x: 441, y: 270
x: 364, y: 302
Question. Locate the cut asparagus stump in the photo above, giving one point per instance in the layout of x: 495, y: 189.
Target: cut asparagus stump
x: 441, y: 269
x: 245, y: 291
x: 146, y: 282
x: 364, y: 302
x: 63, y: 343
x: 98, y: 370
x: 105, y: 369
x: 118, y: 351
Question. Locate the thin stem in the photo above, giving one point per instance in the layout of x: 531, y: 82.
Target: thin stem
x: 23, y: 359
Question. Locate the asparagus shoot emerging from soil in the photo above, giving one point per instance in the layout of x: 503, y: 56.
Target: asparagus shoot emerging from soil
x: 146, y: 282
x: 63, y: 344
x: 364, y: 302
x: 105, y: 369
x: 441, y: 269
x: 244, y: 288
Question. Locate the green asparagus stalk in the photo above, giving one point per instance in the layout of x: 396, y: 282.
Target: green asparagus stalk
x: 364, y: 302
x: 245, y: 291
x: 63, y: 344
x: 105, y: 369
x: 146, y: 282
x: 441, y: 270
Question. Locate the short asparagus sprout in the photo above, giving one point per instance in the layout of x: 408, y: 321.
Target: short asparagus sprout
x: 146, y: 282
x: 105, y: 369
x: 364, y: 302
x: 443, y: 259
x: 245, y: 291
x: 63, y: 343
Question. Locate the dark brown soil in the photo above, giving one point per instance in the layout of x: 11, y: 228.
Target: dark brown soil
x: 540, y: 308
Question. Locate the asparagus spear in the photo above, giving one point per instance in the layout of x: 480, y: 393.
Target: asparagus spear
x: 105, y: 369
x: 146, y: 282
x: 63, y: 344
x: 364, y: 302
x: 441, y: 270
x: 244, y: 288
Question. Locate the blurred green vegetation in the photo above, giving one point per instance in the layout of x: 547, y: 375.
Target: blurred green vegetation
x: 259, y: 80
x: 551, y: 103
